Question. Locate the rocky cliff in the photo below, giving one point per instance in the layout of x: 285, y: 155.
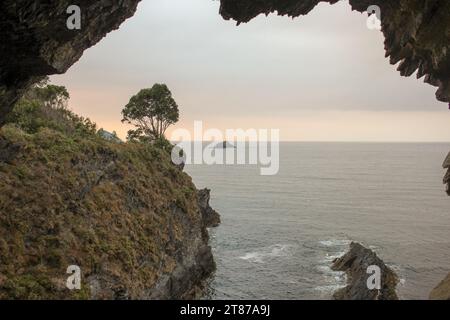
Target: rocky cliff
x: 131, y: 220
x: 355, y: 264
x: 446, y: 165
x: 210, y: 216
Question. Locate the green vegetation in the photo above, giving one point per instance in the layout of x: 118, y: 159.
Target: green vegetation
x: 151, y: 111
x: 69, y: 196
x: 45, y: 106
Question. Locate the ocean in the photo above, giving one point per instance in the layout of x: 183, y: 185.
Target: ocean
x: 279, y: 234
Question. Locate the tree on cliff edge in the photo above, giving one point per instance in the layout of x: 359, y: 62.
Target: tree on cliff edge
x: 151, y: 111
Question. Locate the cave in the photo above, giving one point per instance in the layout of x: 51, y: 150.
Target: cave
x: 35, y: 41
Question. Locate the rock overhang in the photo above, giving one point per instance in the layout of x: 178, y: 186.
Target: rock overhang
x: 417, y: 32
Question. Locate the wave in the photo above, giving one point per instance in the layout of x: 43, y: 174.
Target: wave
x: 274, y: 251
x: 331, y: 280
x: 326, y: 290
x: 335, y: 242
x: 329, y: 258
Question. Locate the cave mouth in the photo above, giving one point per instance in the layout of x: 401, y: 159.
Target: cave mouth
x: 415, y: 37
x: 304, y: 69
x: 407, y: 30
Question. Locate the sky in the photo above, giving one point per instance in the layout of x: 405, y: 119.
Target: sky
x: 320, y: 77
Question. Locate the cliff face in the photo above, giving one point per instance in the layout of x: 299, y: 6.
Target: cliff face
x: 355, y: 263
x: 210, y: 216
x: 417, y: 32
x: 123, y: 213
x: 446, y: 165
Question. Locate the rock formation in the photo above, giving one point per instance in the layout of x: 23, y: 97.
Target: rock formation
x: 210, y: 216
x: 446, y: 165
x: 355, y: 264
x: 442, y: 290
x: 417, y: 32
x: 130, y: 219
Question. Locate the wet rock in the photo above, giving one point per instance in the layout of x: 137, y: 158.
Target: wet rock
x: 355, y: 264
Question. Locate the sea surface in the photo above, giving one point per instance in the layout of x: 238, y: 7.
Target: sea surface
x: 279, y: 234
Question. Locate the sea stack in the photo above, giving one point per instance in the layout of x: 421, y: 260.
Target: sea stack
x: 355, y: 264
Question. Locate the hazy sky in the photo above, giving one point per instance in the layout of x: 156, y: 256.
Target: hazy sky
x: 322, y: 77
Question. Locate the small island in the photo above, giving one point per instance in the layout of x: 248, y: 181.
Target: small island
x: 224, y: 145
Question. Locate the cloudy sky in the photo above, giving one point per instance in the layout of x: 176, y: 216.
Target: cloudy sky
x: 322, y: 77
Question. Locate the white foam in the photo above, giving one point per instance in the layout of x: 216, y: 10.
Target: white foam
x: 329, y: 288
x: 253, y: 257
x: 330, y: 257
x: 335, y: 242
x: 331, y: 280
x: 399, y: 271
x: 277, y: 250
x: 327, y: 271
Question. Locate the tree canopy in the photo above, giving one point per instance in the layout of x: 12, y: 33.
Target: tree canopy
x: 151, y: 111
x: 45, y: 106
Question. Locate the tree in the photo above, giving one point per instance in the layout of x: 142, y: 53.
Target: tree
x: 45, y: 105
x: 51, y: 96
x: 151, y: 111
